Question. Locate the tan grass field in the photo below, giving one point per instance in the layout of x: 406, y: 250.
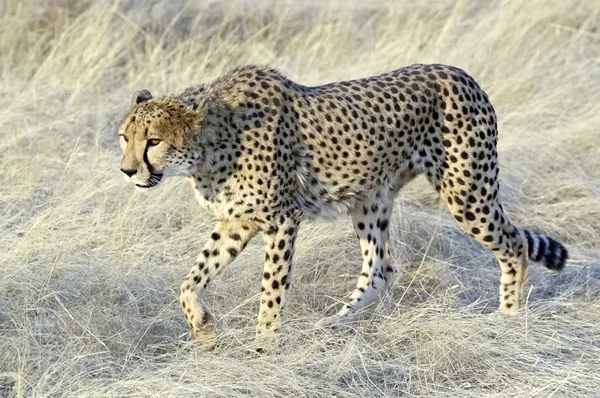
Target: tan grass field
x: 90, y: 269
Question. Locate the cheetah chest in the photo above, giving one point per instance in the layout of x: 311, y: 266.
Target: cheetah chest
x: 226, y: 202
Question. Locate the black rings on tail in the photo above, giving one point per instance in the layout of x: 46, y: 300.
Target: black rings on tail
x: 545, y: 249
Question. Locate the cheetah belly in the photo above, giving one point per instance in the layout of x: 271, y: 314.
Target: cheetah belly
x: 321, y: 195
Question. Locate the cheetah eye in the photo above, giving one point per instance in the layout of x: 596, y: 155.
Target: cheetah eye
x: 124, y: 137
x: 154, y: 141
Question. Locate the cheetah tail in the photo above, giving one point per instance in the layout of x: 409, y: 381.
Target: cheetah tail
x: 545, y: 249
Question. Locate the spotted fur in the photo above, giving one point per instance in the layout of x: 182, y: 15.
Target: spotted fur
x: 263, y: 153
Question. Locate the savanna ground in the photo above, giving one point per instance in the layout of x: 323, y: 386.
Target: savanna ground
x: 90, y: 269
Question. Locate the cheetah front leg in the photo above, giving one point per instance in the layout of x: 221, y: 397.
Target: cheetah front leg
x: 279, y: 243
x: 227, y: 240
x: 371, y: 222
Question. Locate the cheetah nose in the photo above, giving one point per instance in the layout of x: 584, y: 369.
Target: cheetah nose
x: 129, y: 172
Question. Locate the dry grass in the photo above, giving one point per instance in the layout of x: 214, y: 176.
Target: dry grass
x: 90, y: 269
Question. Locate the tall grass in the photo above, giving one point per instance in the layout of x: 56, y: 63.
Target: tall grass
x: 90, y: 269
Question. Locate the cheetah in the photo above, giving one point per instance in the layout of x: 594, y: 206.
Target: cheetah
x: 264, y: 153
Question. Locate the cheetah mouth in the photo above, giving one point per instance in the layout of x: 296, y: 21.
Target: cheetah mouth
x: 153, y: 181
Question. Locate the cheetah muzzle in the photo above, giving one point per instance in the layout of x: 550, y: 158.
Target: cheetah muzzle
x: 263, y: 153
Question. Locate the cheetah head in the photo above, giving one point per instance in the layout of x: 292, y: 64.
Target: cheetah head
x: 155, y: 139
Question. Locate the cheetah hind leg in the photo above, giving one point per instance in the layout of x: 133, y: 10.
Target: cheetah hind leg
x: 371, y: 221
x: 489, y: 225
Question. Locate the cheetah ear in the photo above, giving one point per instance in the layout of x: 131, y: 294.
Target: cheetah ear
x: 140, y: 96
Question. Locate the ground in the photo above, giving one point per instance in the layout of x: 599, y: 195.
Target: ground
x: 91, y: 269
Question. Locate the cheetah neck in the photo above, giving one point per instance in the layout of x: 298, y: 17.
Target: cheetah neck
x: 215, y: 146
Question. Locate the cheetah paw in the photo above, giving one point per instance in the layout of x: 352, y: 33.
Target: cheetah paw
x: 203, y: 331
x: 334, y: 322
x: 265, y: 343
x: 509, y: 309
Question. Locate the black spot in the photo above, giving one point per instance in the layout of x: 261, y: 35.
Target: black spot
x: 383, y: 225
x: 272, y: 230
